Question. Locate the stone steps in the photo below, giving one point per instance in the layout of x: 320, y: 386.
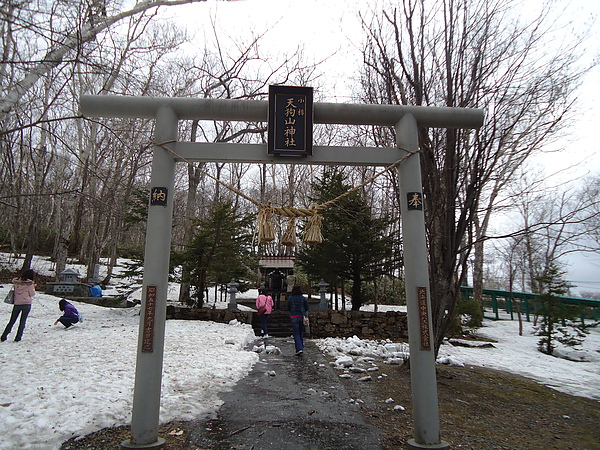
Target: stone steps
x: 278, y: 322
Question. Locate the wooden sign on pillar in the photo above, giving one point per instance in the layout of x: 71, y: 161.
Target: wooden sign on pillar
x: 149, y: 319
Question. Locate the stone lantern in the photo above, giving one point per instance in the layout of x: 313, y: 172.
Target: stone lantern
x: 323, y: 291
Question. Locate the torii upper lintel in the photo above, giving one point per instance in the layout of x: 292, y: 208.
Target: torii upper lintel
x: 257, y: 111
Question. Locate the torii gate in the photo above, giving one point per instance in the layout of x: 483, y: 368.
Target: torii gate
x: 167, y: 112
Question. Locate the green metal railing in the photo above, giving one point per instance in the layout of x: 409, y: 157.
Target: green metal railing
x: 528, y: 303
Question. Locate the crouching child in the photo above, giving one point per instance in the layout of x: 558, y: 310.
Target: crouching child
x: 70, y: 314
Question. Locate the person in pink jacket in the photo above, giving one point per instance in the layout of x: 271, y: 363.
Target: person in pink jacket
x: 24, y: 291
x: 264, y: 303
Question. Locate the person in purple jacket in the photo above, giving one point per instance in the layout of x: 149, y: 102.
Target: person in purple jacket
x: 70, y: 314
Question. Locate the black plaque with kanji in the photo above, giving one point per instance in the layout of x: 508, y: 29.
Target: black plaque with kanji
x: 158, y: 196
x: 415, y: 201
x: 290, y: 121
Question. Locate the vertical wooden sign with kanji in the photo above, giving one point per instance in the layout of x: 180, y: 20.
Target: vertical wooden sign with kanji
x: 423, y: 318
x: 290, y: 130
x: 149, y: 319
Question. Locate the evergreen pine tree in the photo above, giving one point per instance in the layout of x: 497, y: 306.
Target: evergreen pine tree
x: 355, y: 244
x: 559, y: 321
x: 220, y: 249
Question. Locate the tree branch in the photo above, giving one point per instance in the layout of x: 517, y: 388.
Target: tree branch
x: 70, y: 42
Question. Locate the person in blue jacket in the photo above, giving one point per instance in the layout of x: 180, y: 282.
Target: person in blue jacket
x: 297, y: 305
x: 70, y: 314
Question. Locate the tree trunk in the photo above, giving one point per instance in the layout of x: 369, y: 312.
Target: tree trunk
x: 478, y: 266
x: 190, y: 212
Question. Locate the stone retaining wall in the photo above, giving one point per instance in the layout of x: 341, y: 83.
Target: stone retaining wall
x: 365, y: 325
x: 216, y: 315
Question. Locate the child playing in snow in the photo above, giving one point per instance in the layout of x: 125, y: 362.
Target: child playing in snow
x: 70, y: 314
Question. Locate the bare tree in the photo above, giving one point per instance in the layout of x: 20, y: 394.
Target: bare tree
x: 48, y: 52
x: 468, y: 54
x: 589, y: 218
x: 51, y: 56
x: 68, y: 41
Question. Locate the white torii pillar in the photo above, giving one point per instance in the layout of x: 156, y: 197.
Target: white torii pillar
x: 418, y: 301
x: 151, y: 338
x: 168, y: 111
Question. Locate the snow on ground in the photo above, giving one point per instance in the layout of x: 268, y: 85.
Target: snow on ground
x: 59, y: 383
x: 131, y: 288
x: 579, y: 375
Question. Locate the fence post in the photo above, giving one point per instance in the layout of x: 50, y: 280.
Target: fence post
x: 495, y: 305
